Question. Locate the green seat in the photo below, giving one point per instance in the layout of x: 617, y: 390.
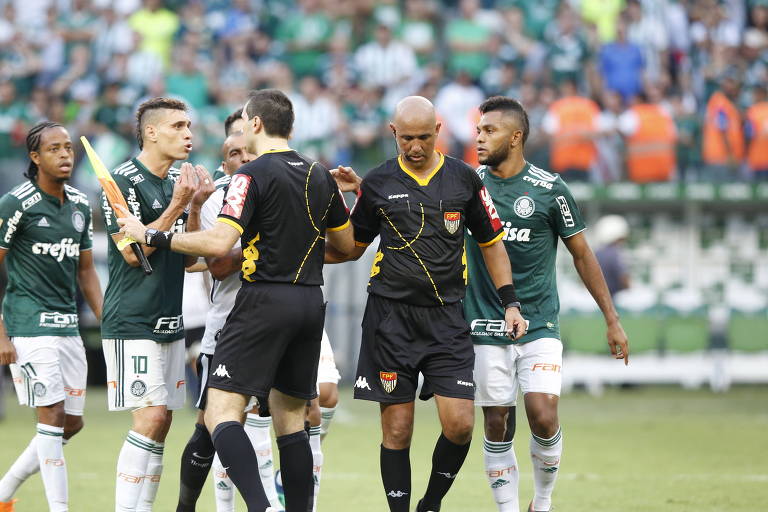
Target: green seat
x: 583, y: 333
x: 686, y: 333
x: 643, y: 331
x: 748, y: 333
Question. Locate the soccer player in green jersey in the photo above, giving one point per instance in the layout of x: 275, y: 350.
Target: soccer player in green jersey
x: 143, y: 329
x: 45, y: 239
x: 536, y: 210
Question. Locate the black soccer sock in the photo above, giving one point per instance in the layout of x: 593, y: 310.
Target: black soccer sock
x: 296, y: 471
x: 396, y: 477
x: 195, y: 465
x: 447, y: 460
x: 237, y: 455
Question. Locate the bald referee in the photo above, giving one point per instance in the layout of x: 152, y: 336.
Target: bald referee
x: 420, y: 204
x: 283, y: 207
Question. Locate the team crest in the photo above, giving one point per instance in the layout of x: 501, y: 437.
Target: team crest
x: 388, y: 381
x: 452, y: 221
x: 39, y: 389
x: 138, y: 388
x: 78, y: 221
x: 524, y: 207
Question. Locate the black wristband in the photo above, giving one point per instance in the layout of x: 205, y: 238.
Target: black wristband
x: 160, y: 239
x: 507, y: 294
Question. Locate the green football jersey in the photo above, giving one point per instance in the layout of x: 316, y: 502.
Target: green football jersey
x: 536, y: 209
x: 218, y: 174
x: 44, y: 238
x: 137, y: 306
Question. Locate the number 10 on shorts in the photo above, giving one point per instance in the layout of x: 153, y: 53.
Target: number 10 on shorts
x: 139, y: 364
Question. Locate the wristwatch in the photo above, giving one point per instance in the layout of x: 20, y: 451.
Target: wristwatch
x: 513, y: 305
x: 148, y: 234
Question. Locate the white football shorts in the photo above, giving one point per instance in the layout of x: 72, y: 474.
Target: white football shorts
x: 500, y: 370
x: 144, y: 373
x: 50, y: 369
x: 326, y: 369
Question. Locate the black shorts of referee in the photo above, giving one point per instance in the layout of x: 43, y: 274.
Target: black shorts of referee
x: 402, y: 340
x: 271, y: 339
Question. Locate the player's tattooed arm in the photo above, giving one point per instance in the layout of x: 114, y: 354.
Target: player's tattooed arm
x: 500, y: 270
x: 7, y: 350
x: 183, y: 190
x: 88, y: 280
x: 589, y: 270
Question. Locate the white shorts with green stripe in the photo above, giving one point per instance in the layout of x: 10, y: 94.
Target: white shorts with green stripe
x: 50, y: 369
x: 144, y: 373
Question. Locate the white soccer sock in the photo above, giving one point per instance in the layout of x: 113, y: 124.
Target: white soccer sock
x: 503, y: 474
x: 25, y: 466
x: 53, y: 469
x: 258, y: 431
x: 151, y: 479
x: 223, y: 488
x: 131, y: 468
x: 326, y: 417
x: 317, y: 461
x: 545, y: 456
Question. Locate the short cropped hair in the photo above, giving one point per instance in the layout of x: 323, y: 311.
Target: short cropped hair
x: 505, y: 104
x: 274, y: 109
x: 230, y: 120
x: 150, y: 105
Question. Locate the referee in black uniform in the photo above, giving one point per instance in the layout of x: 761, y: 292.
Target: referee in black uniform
x: 283, y: 207
x: 419, y: 204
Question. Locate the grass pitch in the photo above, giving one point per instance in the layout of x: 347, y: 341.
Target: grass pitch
x: 646, y: 450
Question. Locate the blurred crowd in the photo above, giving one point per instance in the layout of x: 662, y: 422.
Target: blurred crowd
x: 638, y: 90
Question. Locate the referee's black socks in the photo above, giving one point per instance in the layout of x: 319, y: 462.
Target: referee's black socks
x: 447, y: 460
x: 195, y: 464
x: 296, y: 470
x: 237, y: 455
x: 396, y: 477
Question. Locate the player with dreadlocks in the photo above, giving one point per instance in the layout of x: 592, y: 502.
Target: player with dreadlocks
x: 46, y: 239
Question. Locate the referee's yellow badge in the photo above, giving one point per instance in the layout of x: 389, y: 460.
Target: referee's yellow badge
x: 388, y: 381
x: 452, y: 221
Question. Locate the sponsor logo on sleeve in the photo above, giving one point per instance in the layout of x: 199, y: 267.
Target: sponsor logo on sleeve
x: 13, y: 223
x: 490, y: 209
x: 236, y: 193
x: 31, y: 200
x: 565, y: 211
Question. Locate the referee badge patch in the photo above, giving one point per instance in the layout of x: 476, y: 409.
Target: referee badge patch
x: 452, y: 221
x: 138, y: 388
x: 388, y: 381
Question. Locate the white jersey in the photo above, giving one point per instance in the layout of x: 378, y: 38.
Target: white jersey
x: 223, y: 293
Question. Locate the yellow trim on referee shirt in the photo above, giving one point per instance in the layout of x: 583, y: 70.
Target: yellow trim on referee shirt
x: 491, y: 242
x: 421, y: 181
x: 361, y: 244
x: 277, y: 151
x: 231, y: 223
x: 339, y: 228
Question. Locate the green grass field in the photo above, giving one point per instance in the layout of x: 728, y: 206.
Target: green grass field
x: 651, y: 449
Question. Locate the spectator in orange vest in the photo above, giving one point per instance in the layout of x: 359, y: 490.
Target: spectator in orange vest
x: 756, y: 130
x: 723, y: 139
x: 650, y: 137
x: 572, y: 124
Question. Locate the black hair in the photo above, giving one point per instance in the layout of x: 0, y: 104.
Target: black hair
x: 34, y: 137
x: 274, y: 109
x: 505, y: 104
x: 154, y: 104
x: 230, y: 120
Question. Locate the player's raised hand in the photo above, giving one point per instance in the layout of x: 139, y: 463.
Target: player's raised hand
x: 7, y: 351
x: 618, y: 342
x: 205, y: 186
x: 186, y: 185
x: 347, y: 179
x: 130, y: 225
x: 516, y: 325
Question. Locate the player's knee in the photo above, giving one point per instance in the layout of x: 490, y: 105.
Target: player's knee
x: 459, y: 431
x: 329, y: 395
x: 398, y: 436
x: 544, y: 423
x: 152, y: 422
x: 495, y: 425
x: 72, y: 426
x: 53, y: 415
x: 313, y: 415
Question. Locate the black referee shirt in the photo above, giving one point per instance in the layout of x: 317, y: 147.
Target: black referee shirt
x: 282, y: 204
x: 421, y: 259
